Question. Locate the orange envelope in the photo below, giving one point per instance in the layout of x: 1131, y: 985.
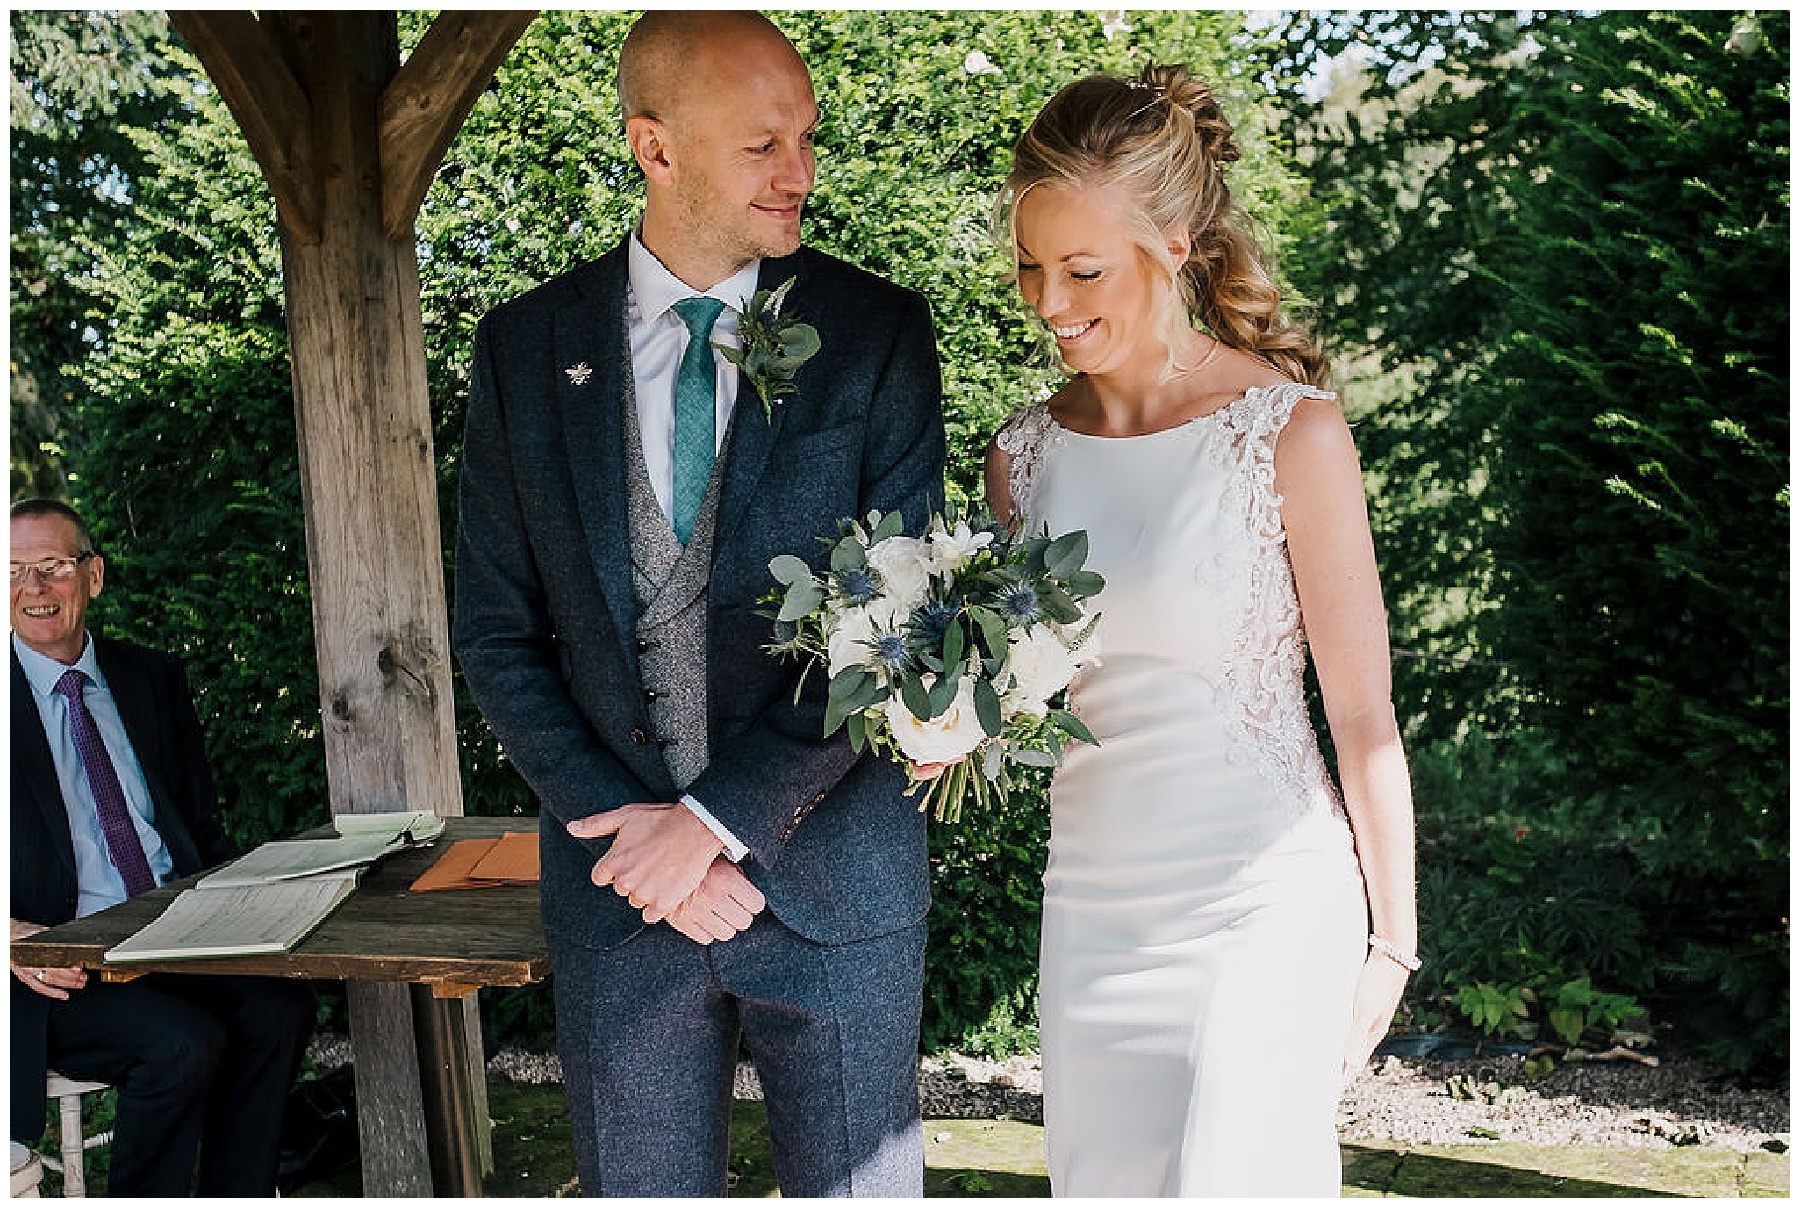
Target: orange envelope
x: 511, y: 859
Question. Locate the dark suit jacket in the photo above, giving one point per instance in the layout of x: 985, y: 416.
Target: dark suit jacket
x: 545, y: 616
x: 151, y: 691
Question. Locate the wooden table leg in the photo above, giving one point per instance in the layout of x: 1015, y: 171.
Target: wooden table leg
x: 450, y: 1101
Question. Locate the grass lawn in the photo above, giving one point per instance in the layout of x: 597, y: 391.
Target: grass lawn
x: 1004, y: 1158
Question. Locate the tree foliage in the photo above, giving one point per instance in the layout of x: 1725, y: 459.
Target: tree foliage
x: 182, y: 438
x: 1566, y: 240
x: 80, y: 83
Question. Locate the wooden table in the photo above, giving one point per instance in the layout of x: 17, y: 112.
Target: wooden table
x: 445, y: 945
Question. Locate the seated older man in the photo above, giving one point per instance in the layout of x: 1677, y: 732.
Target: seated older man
x: 111, y: 796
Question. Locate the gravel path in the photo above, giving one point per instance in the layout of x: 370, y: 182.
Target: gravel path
x: 1611, y: 1103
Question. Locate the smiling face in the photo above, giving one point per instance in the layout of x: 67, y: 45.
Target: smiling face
x: 1083, y: 271
x: 49, y: 614
x: 730, y: 165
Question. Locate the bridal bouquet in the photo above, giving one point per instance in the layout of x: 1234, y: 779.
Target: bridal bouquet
x: 954, y: 647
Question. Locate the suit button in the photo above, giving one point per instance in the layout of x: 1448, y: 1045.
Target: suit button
x: 663, y: 744
x: 649, y: 696
x: 638, y: 736
x: 642, y: 645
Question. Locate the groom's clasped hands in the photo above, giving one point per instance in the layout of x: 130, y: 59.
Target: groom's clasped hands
x: 671, y: 868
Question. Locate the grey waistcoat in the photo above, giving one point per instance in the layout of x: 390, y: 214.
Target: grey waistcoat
x: 669, y: 584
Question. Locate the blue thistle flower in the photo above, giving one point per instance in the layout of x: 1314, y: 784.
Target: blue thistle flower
x: 931, y: 622
x: 856, y: 585
x: 1020, y: 603
x: 890, y: 651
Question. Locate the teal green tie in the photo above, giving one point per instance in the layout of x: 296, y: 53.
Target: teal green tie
x: 696, y: 422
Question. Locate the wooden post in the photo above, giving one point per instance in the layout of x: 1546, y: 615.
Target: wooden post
x: 311, y: 90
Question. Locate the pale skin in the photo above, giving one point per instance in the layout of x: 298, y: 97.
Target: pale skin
x: 1098, y: 293
x: 50, y: 982
x: 726, y: 147
x: 50, y: 617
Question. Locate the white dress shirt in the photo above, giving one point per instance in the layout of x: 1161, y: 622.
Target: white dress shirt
x: 659, y: 339
x: 98, y: 883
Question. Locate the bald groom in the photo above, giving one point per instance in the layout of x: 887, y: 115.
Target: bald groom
x: 715, y: 871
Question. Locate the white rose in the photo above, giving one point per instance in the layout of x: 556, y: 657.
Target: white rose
x: 1040, y: 666
x: 947, y: 738
x: 888, y: 615
x: 847, y: 645
x: 904, y: 564
x: 950, y: 551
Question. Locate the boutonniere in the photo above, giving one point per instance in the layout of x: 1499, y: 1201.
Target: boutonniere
x: 773, y: 349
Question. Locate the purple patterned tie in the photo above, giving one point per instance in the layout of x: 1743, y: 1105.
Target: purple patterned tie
x: 115, y: 819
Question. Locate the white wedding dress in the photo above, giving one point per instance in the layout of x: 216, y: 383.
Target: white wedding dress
x: 1204, y: 917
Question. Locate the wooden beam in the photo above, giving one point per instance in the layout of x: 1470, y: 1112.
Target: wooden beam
x: 321, y: 100
x: 246, y: 65
x: 375, y: 556
x: 427, y: 102
x: 390, y: 1102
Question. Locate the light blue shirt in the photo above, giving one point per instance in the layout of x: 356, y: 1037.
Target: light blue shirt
x: 100, y: 883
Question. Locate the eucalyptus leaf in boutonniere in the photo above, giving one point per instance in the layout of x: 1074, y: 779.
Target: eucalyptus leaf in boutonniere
x: 773, y: 349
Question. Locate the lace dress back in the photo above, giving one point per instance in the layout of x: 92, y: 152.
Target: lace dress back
x: 1203, y: 913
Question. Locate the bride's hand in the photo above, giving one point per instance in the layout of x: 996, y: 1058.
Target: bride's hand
x: 926, y: 771
x: 1377, y: 996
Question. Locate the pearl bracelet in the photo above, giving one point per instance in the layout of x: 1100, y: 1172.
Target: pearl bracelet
x: 1392, y: 951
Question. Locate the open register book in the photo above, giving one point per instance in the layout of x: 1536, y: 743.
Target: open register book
x: 273, y: 898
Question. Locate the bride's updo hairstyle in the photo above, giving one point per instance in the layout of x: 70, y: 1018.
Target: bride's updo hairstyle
x: 1164, y: 139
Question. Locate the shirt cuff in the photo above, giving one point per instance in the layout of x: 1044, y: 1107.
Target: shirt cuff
x: 734, y: 850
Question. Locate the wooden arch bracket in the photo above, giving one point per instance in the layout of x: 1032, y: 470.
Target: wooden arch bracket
x: 247, y: 66
x: 429, y: 99
x: 421, y: 108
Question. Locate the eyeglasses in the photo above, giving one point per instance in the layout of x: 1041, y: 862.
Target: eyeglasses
x: 53, y: 570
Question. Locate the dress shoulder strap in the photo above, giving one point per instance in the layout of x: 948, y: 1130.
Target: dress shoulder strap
x: 1265, y: 410
x: 1022, y: 439
x: 1253, y: 424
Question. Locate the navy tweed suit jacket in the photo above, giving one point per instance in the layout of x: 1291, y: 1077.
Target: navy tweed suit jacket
x: 544, y: 624
x: 157, y: 708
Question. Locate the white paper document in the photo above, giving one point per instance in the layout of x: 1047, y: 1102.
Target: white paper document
x: 289, y: 858
x: 416, y: 825
x: 239, y: 921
